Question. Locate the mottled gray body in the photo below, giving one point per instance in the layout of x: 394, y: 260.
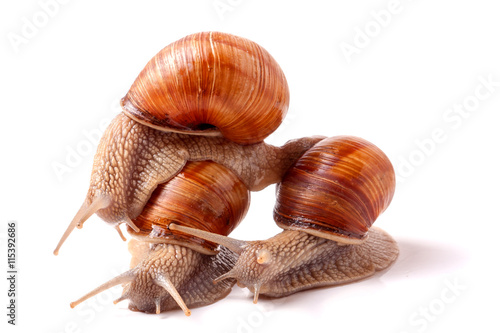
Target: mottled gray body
x: 297, y: 261
x: 132, y: 159
x: 190, y: 272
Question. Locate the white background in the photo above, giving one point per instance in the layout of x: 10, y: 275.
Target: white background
x: 398, y: 90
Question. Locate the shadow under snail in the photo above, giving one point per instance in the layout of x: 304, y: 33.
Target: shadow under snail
x: 326, y: 204
x: 208, y: 96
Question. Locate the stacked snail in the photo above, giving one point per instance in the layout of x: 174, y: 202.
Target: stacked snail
x: 177, y: 167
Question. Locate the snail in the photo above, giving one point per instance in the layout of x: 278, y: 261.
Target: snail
x: 326, y: 204
x: 208, y: 96
x: 171, y: 269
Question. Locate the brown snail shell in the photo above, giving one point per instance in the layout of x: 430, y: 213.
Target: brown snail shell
x: 336, y: 190
x: 207, y: 80
x: 172, y: 269
x: 204, y: 195
x: 326, y: 202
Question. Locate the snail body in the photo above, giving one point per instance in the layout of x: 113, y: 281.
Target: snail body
x: 327, y: 203
x: 171, y: 269
x: 209, y: 96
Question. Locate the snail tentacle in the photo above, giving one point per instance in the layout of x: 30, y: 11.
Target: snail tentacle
x: 163, y: 281
x: 85, y: 211
x: 123, y: 278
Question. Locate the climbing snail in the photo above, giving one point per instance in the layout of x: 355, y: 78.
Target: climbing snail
x: 326, y: 202
x: 208, y: 96
x: 210, y: 83
x: 172, y: 269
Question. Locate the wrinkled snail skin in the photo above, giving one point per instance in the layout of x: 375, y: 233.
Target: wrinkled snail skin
x: 326, y: 202
x: 172, y: 276
x: 293, y: 261
x: 198, y: 289
x: 127, y: 169
x: 132, y: 159
x: 170, y: 269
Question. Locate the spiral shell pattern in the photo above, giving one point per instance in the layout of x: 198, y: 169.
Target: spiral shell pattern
x: 204, y: 195
x: 336, y: 190
x: 211, y: 82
